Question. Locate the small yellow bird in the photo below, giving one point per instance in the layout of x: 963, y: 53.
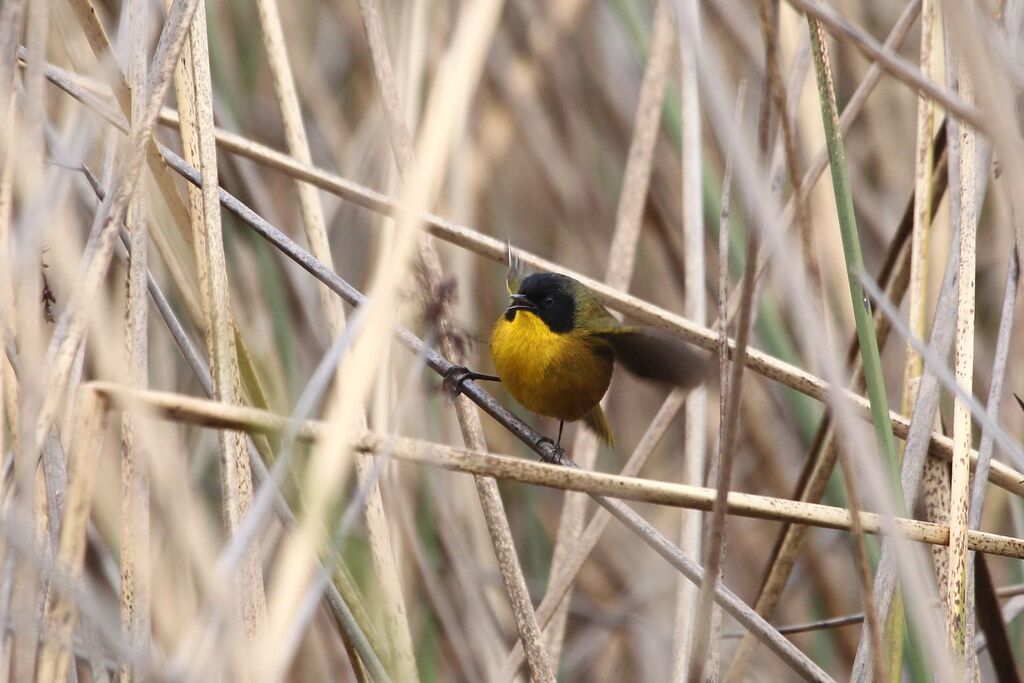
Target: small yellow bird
x: 555, y: 347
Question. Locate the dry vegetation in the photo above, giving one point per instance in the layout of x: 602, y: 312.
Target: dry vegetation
x: 223, y: 461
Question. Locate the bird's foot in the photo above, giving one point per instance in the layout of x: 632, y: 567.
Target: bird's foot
x: 458, y: 374
x: 554, y: 457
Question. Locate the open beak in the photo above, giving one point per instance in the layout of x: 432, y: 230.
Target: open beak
x: 521, y: 303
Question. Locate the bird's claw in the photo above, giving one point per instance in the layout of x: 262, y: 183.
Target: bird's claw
x: 556, y: 454
x: 453, y: 379
x: 456, y: 375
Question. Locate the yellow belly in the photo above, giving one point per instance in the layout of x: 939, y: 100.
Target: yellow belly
x: 555, y: 375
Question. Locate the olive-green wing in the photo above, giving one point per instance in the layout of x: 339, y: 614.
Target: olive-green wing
x: 656, y: 355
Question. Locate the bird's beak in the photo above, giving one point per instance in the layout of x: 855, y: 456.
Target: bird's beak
x: 521, y: 303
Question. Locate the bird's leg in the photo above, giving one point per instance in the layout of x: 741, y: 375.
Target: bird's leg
x: 556, y: 455
x: 457, y: 374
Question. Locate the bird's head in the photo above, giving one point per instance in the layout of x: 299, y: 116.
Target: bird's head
x: 549, y: 296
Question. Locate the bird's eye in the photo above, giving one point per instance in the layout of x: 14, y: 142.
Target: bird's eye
x: 548, y: 300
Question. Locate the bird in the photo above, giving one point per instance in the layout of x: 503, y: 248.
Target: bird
x: 555, y: 348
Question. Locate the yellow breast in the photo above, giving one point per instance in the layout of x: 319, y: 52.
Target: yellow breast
x: 556, y: 375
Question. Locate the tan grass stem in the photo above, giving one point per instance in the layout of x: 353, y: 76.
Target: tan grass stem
x: 135, y: 505
x: 194, y: 88
x: 61, y: 613
x: 695, y: 411
x: 959, y: 500
x: 381, y: 547
x: 190, y: 410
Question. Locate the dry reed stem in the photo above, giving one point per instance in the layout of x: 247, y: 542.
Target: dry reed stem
x: 486, y: 246
x: 61, y: 612
x: 766, y: 365
x: 96, y: 36
x: 925, y: 405
x: 191, y: 410
x: 341, y: 611
x: 924, y: 167
x: 19, y: 327
x: 469, y: 419
x: 798, y: 200
x: 912, y: 568
x: 11, y: 17
x: 619, y: 273
x: 1006, y: 134
x: 959, y: 502
x: 980, y: 62
x: 195, y: 96
x: 739, y: 610
x: 442, y: 606
x: 890, y: 61
x: 381, y: 548
x: 714, y: 542
x: 695, y: 307
x: 754, y: 189
x: 991, y: 85
x: 977, y: 501
x: 135, y: 546
x: 32, y: 189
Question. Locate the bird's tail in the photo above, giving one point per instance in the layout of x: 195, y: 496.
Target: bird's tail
x: 598, y: 423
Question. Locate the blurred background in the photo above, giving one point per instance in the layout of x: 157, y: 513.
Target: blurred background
x: 540, y: 161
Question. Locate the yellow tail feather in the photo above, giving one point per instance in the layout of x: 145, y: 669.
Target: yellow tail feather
x: 598, y: 423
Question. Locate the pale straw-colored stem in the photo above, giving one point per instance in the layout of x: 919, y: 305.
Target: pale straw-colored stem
x: 61, y: 613
x: 695, y: 306
x: 924, y: 164
x: 446, y: 109
x: 378, y: 528
x: 195, y: 95
x: 959, y: 501
x: 182, y: 408
x: 135, y: 519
